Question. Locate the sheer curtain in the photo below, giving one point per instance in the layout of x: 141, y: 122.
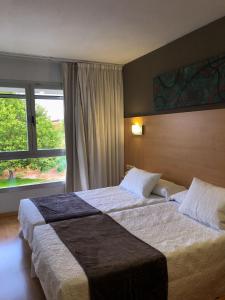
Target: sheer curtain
x: 93, y: 125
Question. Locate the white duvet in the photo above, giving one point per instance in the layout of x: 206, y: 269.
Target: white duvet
x: 105, y: 199
x: 195, y: 255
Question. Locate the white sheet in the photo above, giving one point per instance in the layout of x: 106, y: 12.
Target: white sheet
x: 195, y: 255
x: 106, y: 199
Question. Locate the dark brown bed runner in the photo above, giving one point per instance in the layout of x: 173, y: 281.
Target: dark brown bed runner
x: 63, y: 207
x: 118, y: 265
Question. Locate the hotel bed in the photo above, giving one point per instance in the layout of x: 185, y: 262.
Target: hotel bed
x: 106, y: 200
x: 194, y: 253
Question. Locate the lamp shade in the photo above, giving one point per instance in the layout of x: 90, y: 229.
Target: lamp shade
x: 136, y: 129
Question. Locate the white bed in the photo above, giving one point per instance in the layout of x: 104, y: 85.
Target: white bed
x: 107, y: 200
x: 195, y: 255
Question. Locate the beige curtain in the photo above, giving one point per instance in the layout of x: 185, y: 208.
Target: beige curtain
x: 93, y: 125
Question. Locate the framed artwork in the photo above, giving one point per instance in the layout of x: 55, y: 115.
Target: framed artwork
x: 199, y: 84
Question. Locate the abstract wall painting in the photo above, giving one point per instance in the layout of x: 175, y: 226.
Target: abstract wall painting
x: 200, y: 84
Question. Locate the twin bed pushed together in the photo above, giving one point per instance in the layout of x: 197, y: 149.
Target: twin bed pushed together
x: 127, y: 243
x: 129, y: 194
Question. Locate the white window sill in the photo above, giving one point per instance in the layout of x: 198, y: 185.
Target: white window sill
x: 32, y: 186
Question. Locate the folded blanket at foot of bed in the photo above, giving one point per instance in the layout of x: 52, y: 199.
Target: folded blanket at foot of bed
x: 63, y: 206
x: 117, y: 264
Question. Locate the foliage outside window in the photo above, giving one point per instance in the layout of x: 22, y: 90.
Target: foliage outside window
x: 32, y: 139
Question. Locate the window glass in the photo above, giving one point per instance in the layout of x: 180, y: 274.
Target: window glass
x: 13, y: 120
x: 28, y: 171
x: 48, y: 92
x: 50, y: 120
x: 12, y: 90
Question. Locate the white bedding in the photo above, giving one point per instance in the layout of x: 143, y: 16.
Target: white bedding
x: 195, y: 255
x: 105, y: 199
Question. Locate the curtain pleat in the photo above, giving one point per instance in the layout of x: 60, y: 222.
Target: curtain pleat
x: 93, y: 125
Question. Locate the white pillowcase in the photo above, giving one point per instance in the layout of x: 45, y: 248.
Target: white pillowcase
x: 179, y: 197
x: 205, y: 203
x: 140, y: 182
x: 166, y: 188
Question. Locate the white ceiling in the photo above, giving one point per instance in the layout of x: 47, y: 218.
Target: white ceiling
x: 115, y: 31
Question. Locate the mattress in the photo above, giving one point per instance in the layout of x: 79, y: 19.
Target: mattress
x: 107, y: 200
x: 195, y: 255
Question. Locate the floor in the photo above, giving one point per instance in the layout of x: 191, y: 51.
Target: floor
x: 15, y: 257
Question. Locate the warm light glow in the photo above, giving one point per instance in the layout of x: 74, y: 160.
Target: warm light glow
x: 136, y: 129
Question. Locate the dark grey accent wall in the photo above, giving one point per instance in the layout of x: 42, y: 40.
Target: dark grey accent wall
x: 138, y: 75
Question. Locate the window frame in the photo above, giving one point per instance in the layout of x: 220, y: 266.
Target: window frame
x: 32, y: 151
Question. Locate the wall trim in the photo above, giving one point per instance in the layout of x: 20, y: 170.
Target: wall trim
x: 181, y: 110
x: 8, y: 214
x: 32, y: 186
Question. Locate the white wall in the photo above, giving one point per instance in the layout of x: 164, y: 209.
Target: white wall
x: 27, y: 69
x: 9, y: 200
x: 16, y: 68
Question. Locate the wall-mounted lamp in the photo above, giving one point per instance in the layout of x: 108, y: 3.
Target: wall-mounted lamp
x: 137, y: 129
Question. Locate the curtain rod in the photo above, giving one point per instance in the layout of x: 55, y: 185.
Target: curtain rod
x: 53, y: 59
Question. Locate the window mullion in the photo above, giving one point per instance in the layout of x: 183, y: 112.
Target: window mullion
x: 29, y: 117
x: 33, y: 119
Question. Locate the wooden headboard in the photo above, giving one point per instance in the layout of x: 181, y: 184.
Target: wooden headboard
x: 180, y: 146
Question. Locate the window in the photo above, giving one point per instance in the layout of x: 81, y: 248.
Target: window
x: 13, y: 120
x: 51, y: 103
x: 32, y: 141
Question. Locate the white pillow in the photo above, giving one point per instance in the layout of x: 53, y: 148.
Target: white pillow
x: 166, y: 188
x: 179, y: 197
x: 205, y: 203
x: 140, y: 182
